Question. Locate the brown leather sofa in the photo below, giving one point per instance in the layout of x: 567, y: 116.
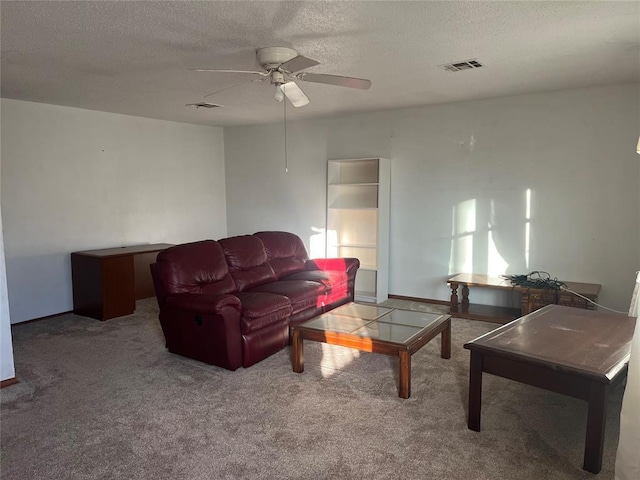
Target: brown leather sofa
x: 232, y: 302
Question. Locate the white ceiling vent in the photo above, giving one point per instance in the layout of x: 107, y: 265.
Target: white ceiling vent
x: 463, y: 65
x: 203, y: 105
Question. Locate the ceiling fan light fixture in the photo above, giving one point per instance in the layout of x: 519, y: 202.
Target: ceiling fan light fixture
x: 279, y: 95
x: 295, y: 95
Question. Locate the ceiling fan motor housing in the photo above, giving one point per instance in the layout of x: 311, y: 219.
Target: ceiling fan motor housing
x: 273, y: 57
x: 277, y: 78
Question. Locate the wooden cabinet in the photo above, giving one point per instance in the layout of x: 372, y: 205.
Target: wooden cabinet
x: 358, y: 198
x: 534, y: 299
x: 107, y: 282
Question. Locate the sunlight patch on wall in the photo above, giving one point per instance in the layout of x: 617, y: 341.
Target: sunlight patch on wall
x: 316, y: 243
x: 463, y: 229
x: 496, y: 264
x: 332, y: 243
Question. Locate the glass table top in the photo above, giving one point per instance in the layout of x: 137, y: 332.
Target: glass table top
x: 358, y: 310
x: 387, y: 324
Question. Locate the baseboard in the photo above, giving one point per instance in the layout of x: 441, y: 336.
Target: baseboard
x: 41, y: 318
x: 8, y: 382
x: 421, y: 300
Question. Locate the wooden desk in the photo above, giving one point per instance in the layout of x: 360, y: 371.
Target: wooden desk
x: 107, y: 282
x: 576, y: 352
x: 531, y: 298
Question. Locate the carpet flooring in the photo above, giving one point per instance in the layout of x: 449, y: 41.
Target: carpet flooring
x: 105, y: 400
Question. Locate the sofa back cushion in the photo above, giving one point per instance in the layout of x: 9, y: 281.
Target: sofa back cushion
x: 198, y: 267
x: 285, y: 252
x: 247, y: 260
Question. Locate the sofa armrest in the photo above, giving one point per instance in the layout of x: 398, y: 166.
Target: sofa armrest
x: 202, y: 302
x: 348, y: 265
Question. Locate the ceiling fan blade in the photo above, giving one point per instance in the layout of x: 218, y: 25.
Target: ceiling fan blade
x: 295, y: 95
x: 298, y: 63
x: 262, y: 74
x: 233, y: 86
x: 350, y: 82
x: 204, y: 105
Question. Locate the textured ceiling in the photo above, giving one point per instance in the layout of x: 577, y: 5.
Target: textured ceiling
x: 133, y: 57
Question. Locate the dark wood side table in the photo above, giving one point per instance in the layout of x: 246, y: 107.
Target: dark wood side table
x: 107, y: 282
x: 576, y: 352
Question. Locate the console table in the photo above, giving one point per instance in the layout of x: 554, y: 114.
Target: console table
x: 531, y: 298
x: 107, y: 282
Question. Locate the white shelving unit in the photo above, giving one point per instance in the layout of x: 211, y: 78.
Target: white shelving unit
x: 358, y: 196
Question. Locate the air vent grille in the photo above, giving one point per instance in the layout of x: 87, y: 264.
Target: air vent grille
x: 203, y: 105
x: 462, y: 65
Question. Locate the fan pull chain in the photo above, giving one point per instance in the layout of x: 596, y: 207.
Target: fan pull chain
x: 286, y: 160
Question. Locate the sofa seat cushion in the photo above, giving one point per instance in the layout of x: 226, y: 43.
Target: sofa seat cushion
x: 331, y: 279
x: 303, y: 294
x: 260, y: 309
x: 336, y: 283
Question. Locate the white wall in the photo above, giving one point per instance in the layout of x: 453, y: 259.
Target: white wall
x: 266, y: 197
x: 77, y: 179
x: 7, y: 369
x: 458, y: 168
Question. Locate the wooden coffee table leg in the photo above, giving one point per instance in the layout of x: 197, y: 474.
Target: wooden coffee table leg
x: 298, y: 352
x: 475, y: 391
x: 445, y: 341
x: 596, y: 418
x: 405, y: 374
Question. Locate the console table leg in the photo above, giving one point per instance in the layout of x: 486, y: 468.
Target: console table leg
x: 454, y: 297
x: 596, y: 418
x: 465, y: 298
x: 405, y: 374
x: 475, y: 391
x: 298, y: 352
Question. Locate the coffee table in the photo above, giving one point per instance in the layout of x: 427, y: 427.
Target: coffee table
x: 572, y: 351
x: 370, y: 328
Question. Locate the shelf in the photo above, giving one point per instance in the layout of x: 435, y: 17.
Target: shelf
x: 358, y: 221
x: 355, y: 184
x: 367, y: 256
x: 369, y: 268
x: 368, y: 297
x: 487, y: 313
x: 353, y: 208
x: 359, y: 160
x: 361, y: 195
x: 353, y: 171
x: 355, y: 245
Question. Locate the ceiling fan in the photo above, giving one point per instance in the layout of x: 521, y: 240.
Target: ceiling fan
x: 283, y: 67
